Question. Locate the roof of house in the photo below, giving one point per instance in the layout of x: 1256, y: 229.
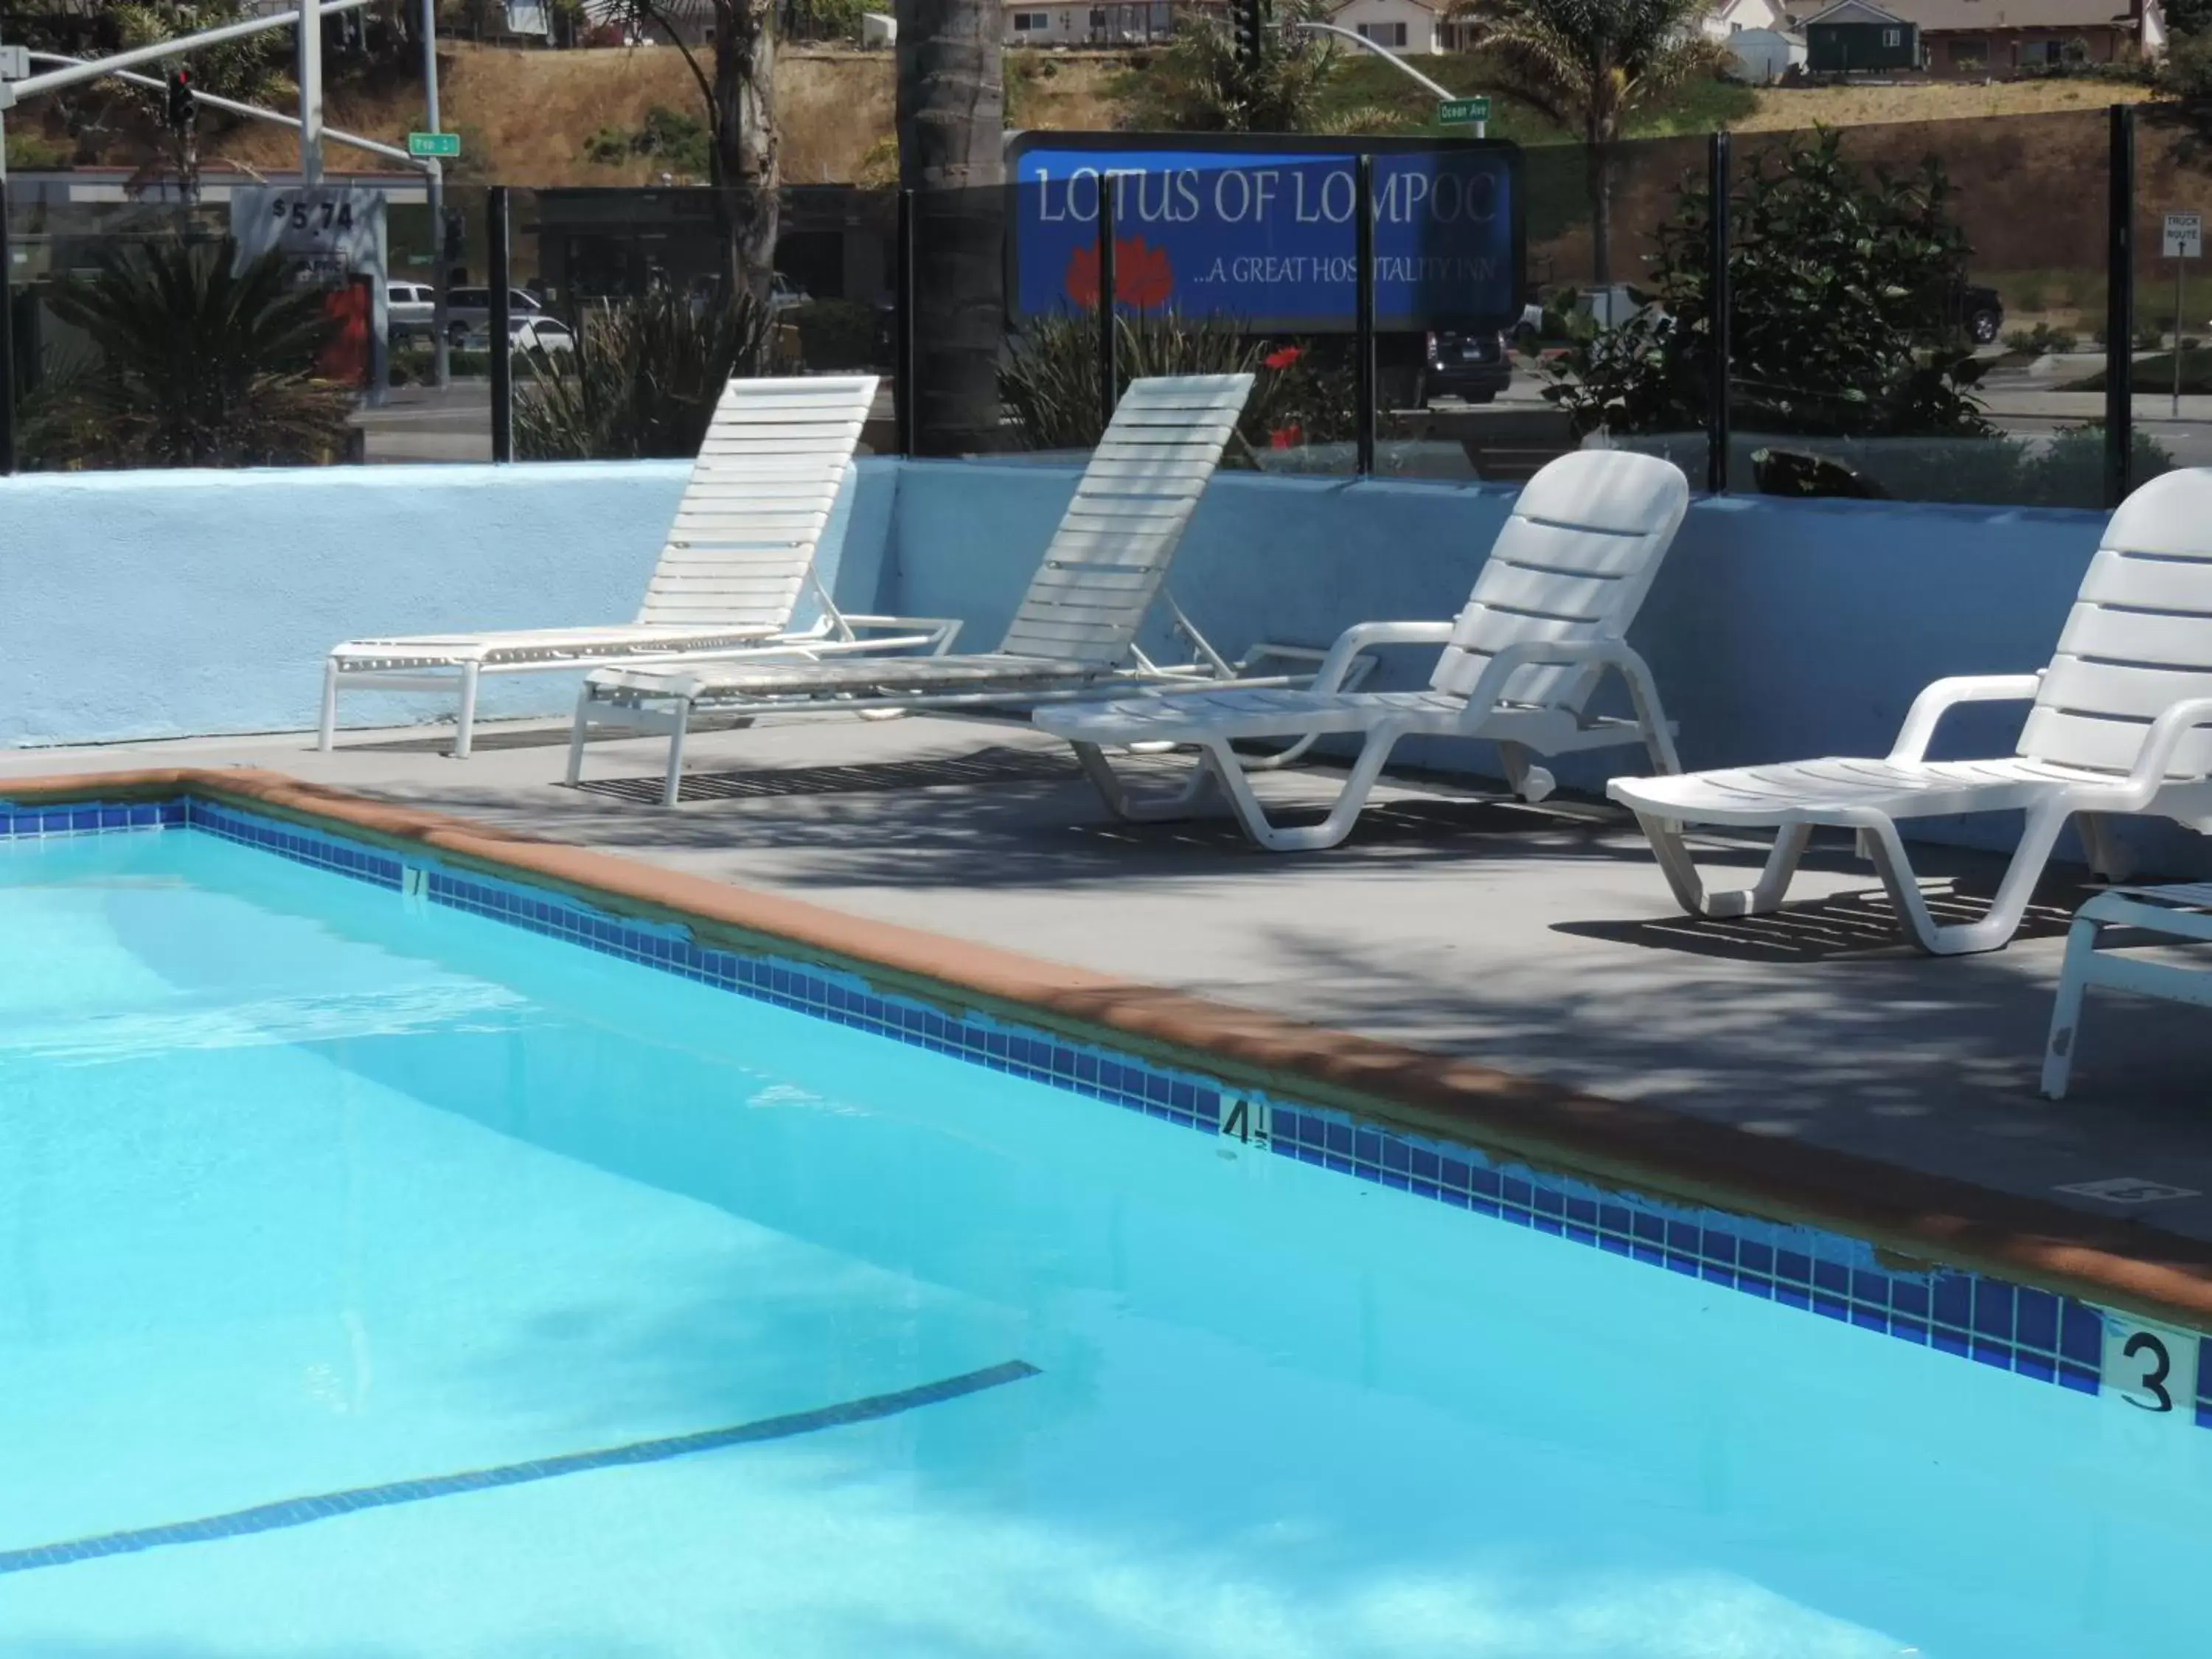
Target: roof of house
x: 1970, y: 15
x: 1346, y: 5
x: 1853, y: 11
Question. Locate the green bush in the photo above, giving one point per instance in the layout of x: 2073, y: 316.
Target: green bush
x: 2040, y: 339
x: 836, y: 333
x: 643, y: 380
x: 1049, y: 382
x: 1841, y: 290
x: 198, y: 361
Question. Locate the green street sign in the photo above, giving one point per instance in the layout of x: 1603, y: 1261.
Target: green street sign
x: 1461, y: 112
x: 447, y: 146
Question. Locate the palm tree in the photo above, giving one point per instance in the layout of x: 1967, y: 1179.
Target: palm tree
x: 1589, y: 65
x: 951, y: 133
x: 200, y: 362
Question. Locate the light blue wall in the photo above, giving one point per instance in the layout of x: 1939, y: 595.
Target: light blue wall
x: 149, y: 604
x: 162, y: 604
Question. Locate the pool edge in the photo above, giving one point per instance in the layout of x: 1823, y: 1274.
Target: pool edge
x: 1914, y: 1215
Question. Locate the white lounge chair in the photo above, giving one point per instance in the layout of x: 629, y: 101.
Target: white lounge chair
x: 1547, y: 619
x: 740, y: 555
x: 2176, y: 914
x: 2116, y: 728
x: 1076, y: 628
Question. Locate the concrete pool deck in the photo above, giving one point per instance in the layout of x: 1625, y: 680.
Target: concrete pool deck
x: 1541, y: 942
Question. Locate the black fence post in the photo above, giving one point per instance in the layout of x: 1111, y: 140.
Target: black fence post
x: 2120, y: 309
x: 1363, y: 314
x: 502, y: 359
x: 1109, y: 341
x: 904, y: 404
x: 1721, y: 303
x: 7, y: 342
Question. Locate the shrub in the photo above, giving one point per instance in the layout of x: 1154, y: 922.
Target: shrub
x: 836, y: 333
x: 197, y: 361
x: 1842, y: 289
x: 1048, y: 382
x: 2040, y: 339
x: 643, y: 380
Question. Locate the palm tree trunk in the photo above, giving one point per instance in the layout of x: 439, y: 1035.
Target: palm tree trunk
x: 746, y: 137
x: 951, y: 129
x: 1598, y: 158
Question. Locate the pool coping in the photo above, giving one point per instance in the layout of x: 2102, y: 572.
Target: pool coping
x: 1917, y: 1218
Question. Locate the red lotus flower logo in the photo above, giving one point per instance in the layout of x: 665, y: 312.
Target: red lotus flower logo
x: 1142, y: 275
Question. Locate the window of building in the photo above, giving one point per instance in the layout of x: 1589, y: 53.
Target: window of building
x: 1892, y: 37
x: 1383, y: 34
x: 1969, y: 55
x: 1098, y: 17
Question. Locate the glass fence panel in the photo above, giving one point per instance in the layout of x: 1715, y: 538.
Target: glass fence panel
x: 2170, y: 358
x: 1607, y: 344
x: 1917, y: 310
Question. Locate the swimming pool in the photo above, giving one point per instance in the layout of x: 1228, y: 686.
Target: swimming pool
x: 381, y: 1277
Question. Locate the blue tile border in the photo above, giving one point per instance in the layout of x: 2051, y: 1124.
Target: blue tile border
x: 302, y: 1511
x: 19, y: 821
x: 2031, y: 1333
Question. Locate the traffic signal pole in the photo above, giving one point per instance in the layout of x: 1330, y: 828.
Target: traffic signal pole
x: 440, y: 264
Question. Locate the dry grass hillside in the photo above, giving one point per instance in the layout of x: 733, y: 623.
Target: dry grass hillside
x: 525, y: 118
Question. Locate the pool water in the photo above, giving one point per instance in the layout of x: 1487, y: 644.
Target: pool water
x: 377, y: 1281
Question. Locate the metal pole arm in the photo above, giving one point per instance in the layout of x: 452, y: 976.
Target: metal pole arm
x: 253, y: 111
x: 1381, y: 51
x: 14, y: 92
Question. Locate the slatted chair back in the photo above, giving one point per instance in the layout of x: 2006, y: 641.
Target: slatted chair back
x: 2139, y: 638
x: 767, y: 474
x: 1112, y: 550
x: 1573, y: 562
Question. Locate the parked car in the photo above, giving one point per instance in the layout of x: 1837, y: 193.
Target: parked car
x: 1473, y: 367
x: 409, y: 309
x: 1980, y: 312
x: 468, y: 310
x: 783, y: 294
x: 546, y: 334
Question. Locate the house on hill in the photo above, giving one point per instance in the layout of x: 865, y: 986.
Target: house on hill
x: 1411, y: 28
x: 1978, y: 40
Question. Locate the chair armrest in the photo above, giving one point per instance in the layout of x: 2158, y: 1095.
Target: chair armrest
x: 1937, y: 699
x: 2159, y: 743
x: 1365, y: 636
x: 940, y: 631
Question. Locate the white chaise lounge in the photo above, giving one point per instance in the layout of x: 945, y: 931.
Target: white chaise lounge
x: 2176, y: 915
x: 738, y: 558
x: 1076, y: 628
x: 1547, y: 617
x: 2117, y: 727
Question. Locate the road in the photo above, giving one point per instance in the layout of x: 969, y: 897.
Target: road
x: 421, y: 423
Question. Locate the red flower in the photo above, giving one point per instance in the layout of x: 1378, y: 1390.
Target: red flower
x: 1283, y: 358
x: 1142, y: 275
x: 1284, y: 437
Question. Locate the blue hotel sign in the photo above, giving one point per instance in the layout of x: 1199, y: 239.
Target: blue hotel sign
x: 1262, y: 228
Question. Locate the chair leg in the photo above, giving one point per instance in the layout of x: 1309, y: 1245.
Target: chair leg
x: 2108, y: 857
x: 673, y: 789
x: 2001, y: 919
x: 1342, y: 815
x: 326, y: 729
x: 1530, y: 782
x: 1689, y: 887
x: 1157, y: 809
x: 579, y: 733
x: 466, y: 734
x: 2066, y: 1011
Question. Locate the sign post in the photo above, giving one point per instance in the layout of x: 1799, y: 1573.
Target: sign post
x: 2184, y: 240
x: 445, y: 146
x: 1464, y: 112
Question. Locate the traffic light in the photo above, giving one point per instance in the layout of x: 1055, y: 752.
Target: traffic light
x: 1251, y: 18
x: 457, y: 236
x: 182, y: 101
